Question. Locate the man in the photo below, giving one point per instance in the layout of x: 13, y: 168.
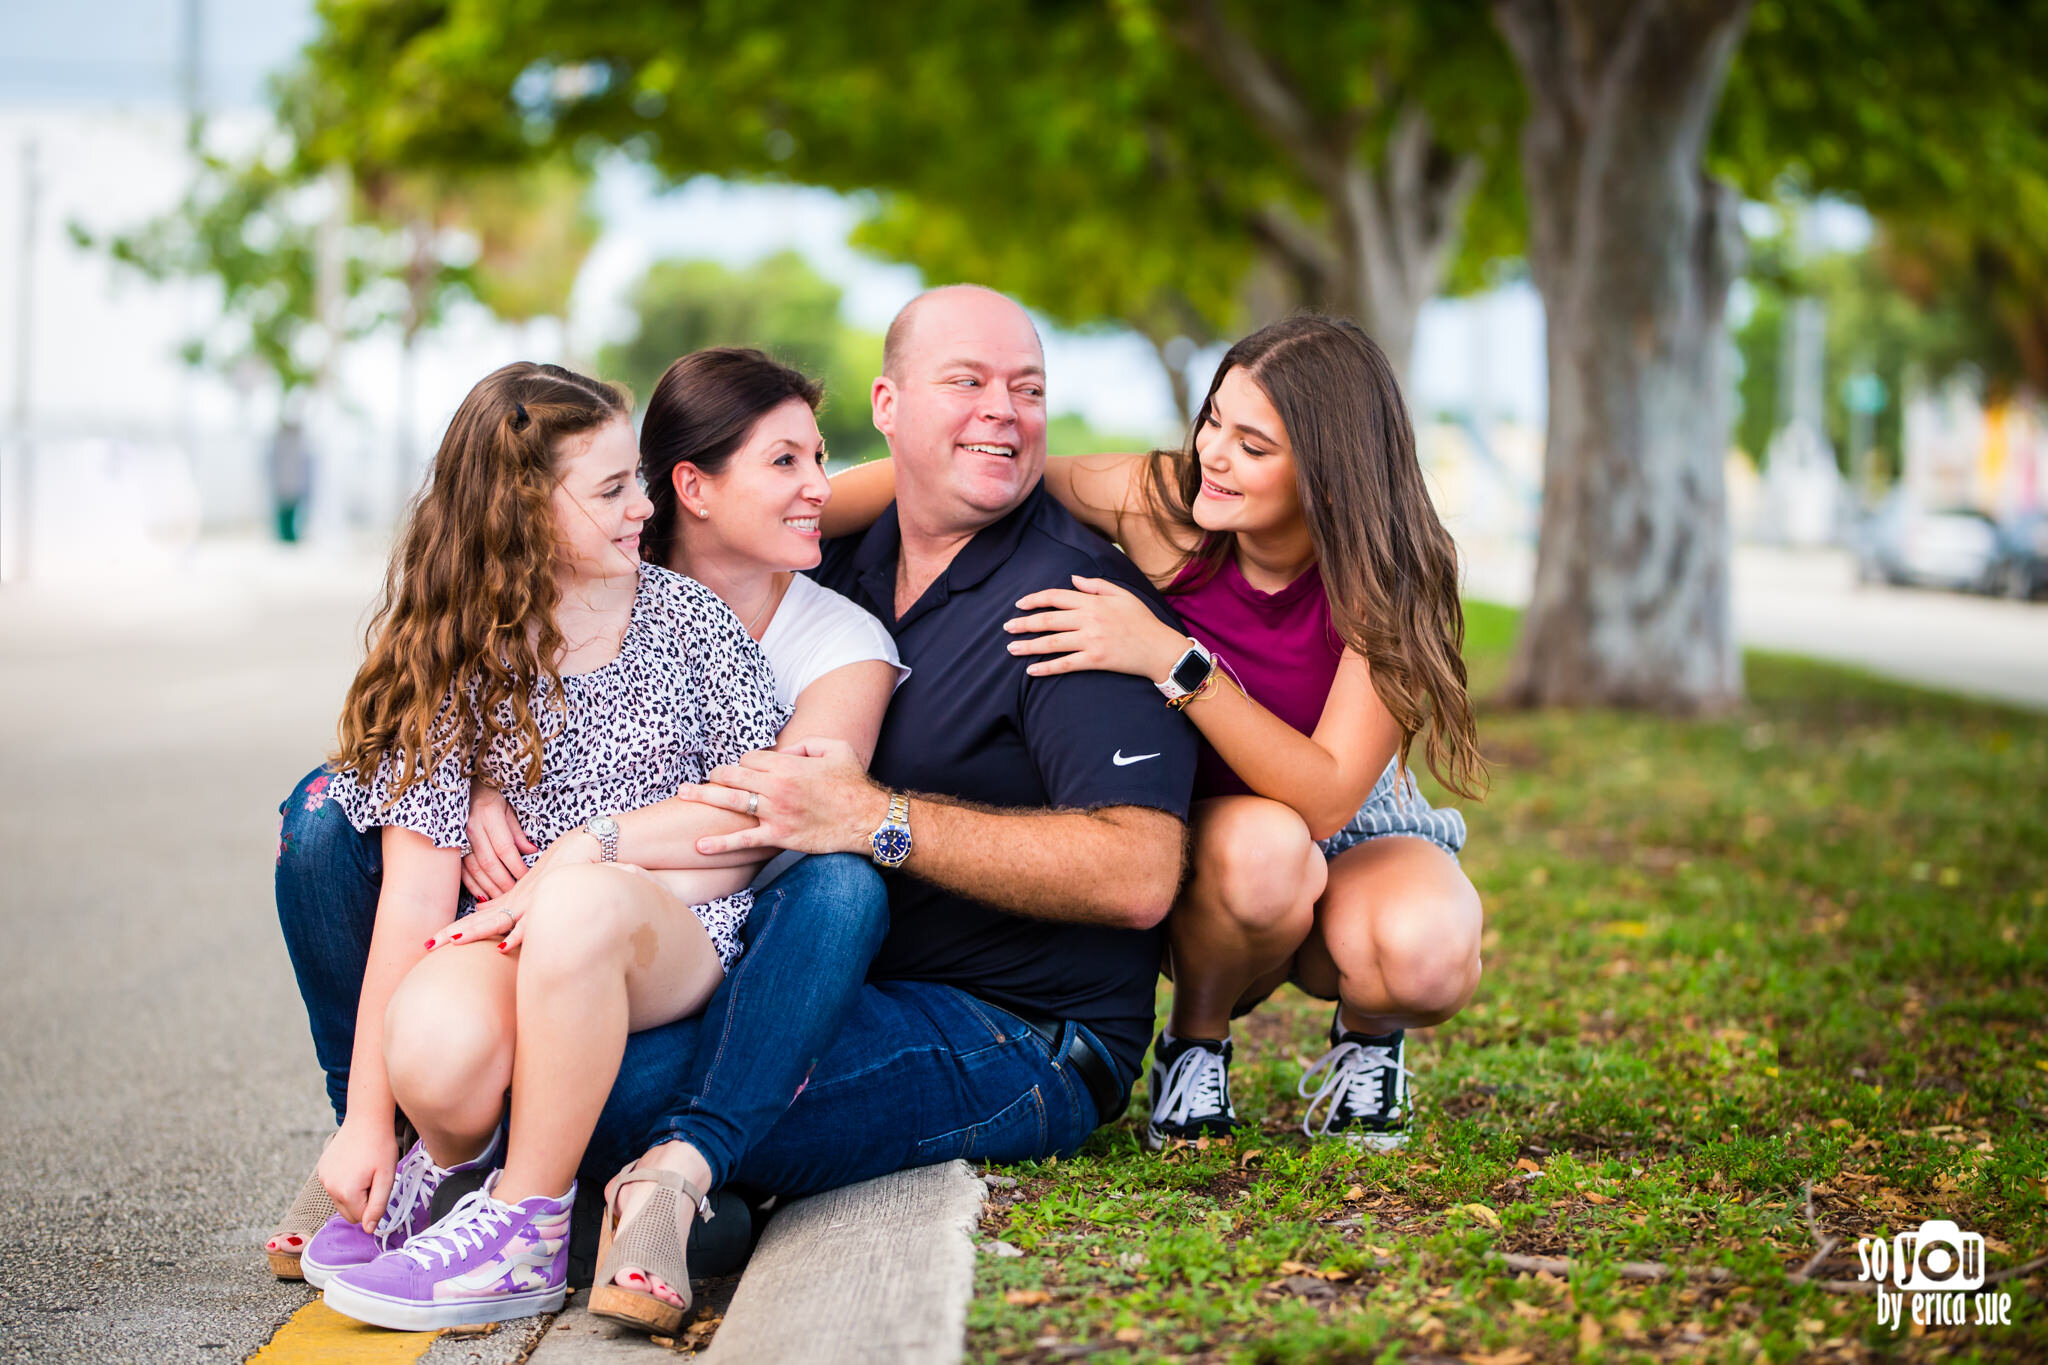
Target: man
x: 1035, y: 826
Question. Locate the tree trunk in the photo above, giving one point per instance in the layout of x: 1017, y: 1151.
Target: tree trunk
x: 1389, y: 228
x: 1633, y: 248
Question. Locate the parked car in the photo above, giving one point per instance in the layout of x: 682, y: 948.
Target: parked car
x: 2023, y: 568
x: 1959, y: 548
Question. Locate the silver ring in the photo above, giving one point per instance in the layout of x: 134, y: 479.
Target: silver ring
x: 753, y: 803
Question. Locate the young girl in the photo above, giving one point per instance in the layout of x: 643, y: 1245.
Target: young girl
x: 1320, y: 593
x: 524, y: 645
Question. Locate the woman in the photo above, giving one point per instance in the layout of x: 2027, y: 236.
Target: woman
x: 1296, y: 539
x: 734, y: 431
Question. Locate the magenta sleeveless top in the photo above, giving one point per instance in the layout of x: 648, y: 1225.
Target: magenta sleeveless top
x: 1280, y: 645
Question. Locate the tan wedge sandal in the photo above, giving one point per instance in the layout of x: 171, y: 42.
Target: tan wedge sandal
x: 307, y: 1215
x: 654, y: 1241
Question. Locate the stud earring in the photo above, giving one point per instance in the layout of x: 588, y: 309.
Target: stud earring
x: 702, y: 512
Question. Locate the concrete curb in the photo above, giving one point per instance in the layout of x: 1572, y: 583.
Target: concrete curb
x: 876, y: 1272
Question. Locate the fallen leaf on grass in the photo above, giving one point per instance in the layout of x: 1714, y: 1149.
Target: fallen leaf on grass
x: 1026, y: 1298
x: 1525, y: 1164
x: 1514, y: 1355
x: 1481, y: 1212
x: 1522, y: 1308
x: 1128, y: 1335
x: 1595, y: 1197
x: 1245, y: 1160
x: 1589, y: 1334
x: 1354, y: 1194
x: 1629, y: 1323
x: 1813, y: 1326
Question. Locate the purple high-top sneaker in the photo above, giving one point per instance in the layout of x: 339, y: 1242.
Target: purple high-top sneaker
x: 341, y: 1244
x: 484, y: 1262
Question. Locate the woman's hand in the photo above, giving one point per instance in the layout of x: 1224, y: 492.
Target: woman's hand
x: 357, y: 1168
x: 1097, y: 625
x: 501, y: 918
x: 493, y: 865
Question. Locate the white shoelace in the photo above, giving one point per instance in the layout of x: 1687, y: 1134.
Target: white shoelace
x: 1197, y: 1085
x: 1351, y: 1082
x: 467, y: 1224
x: 415, y: 1183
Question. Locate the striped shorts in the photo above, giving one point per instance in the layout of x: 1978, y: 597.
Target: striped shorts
x: 1391, y: 811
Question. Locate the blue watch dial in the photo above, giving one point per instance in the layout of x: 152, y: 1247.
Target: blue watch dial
x: 891, y: 845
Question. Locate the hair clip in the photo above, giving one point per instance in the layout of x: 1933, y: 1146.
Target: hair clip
x: 519, y: 417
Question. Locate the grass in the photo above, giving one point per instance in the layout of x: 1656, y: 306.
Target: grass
x: 1724, y: 959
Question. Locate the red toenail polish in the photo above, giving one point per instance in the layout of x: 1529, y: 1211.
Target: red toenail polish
x: 430, y: 943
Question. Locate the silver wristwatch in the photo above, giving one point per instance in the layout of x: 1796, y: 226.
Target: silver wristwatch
x: 890, y: 844
x: 605, y: 830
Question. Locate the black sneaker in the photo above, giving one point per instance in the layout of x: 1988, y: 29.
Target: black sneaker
x: 1365, y: 1086
x: 1190, y: 1091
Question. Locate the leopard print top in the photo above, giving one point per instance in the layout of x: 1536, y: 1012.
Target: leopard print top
x: 689, y: 690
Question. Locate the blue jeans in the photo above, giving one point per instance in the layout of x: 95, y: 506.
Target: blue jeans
x: 798, y: 1076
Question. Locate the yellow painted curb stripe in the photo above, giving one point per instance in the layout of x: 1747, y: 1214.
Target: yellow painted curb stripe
x: 317, y: 1335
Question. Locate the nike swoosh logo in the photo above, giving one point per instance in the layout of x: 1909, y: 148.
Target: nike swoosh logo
x: 1123, y: 762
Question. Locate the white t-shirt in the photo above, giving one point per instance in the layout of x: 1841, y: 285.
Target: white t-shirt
x: 814, y: 631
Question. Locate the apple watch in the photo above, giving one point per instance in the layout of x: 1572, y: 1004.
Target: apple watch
x: 1186, y: 677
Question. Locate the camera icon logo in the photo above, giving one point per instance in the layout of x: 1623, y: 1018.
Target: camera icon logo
x: 1936, y: 1257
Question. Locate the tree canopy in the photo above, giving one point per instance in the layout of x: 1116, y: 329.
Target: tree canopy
x: 779, y: 305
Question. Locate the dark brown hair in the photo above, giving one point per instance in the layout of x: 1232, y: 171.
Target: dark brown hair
x: 701, y: 412
x: 1388, y: 565
x: 470, y: 595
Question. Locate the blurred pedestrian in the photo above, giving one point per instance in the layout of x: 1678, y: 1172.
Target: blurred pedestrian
x: 288, y: 468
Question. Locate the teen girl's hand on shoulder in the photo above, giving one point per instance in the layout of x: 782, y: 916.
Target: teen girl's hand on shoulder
x: 1096, y: 624
x: 493, y: 864
x: 357, y: 1168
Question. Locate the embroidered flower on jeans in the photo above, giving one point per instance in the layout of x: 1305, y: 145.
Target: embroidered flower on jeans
x: 316, y: 793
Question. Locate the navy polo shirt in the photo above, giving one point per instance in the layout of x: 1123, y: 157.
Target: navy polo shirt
x: 969, y: 722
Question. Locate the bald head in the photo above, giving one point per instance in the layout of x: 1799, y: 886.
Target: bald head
x: 961, y: 400
x: 942, y: 301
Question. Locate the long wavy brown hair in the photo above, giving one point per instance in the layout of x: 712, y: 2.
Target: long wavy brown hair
x: 1389, y: 567
x: 469, y: 599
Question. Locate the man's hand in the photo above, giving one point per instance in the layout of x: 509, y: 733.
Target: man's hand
x: 814, y: 797
x: 493, y: 864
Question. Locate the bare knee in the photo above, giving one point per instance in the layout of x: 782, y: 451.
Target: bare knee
x: 444, y: 1046
x: 582, y: 920
x: 1261, y: 866
x: 1428, y: 958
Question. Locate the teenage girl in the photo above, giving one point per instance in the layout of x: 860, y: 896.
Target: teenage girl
x: 1296, y: 539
